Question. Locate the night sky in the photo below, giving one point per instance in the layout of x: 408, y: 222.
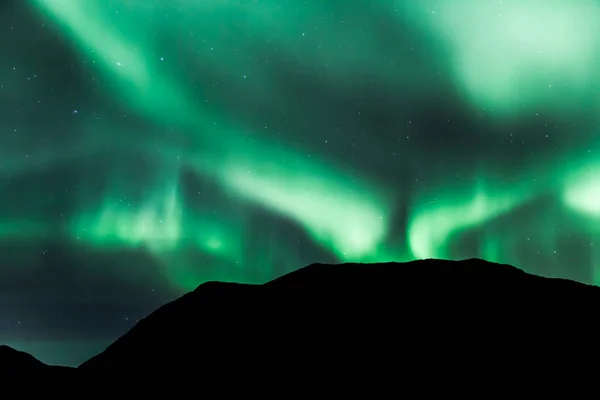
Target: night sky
x: 147, y: 146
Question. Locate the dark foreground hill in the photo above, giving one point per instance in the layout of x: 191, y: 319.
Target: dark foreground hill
x: 360, y: 319
x: 361, y: 322
x: 15, y: 359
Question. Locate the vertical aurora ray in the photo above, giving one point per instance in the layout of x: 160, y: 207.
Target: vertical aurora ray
x: 329, y: 208
x: 149, y: 146
x: 503, y: 59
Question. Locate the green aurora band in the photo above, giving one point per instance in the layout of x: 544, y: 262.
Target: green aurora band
x: 499, y: 55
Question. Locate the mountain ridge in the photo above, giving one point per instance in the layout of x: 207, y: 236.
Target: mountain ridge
x: 320, y: 294
x: 344, y: 316
x: 19, y: 359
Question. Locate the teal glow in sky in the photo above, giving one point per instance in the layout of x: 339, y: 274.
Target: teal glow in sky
x: 150, y: 146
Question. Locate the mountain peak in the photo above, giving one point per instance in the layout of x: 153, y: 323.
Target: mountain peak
x: 304, y: 315
x: 11, y: 358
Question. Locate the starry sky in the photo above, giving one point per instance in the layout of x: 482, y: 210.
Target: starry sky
x: 147, y: 146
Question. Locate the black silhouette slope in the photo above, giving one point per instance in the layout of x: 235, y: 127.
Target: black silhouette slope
x: 12, y: 359
x: 357, y: 317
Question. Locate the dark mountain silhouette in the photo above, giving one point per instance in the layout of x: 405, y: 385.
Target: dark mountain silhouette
x: 16, y: 362
x: 358, y: 322
x: 14, y: 359
x: 357, y: 317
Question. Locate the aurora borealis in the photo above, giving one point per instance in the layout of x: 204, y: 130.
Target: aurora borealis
x: 150, y: 145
